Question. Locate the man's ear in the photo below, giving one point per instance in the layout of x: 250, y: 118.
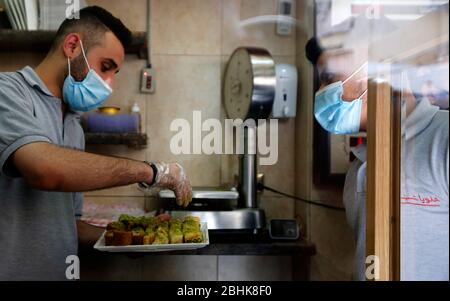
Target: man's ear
x: 71, y: 45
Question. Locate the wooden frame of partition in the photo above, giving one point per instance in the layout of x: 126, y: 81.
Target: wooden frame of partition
x: 384, y: 138
x: 383, y: 181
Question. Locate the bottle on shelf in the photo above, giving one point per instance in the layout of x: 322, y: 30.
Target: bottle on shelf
x: 136, y: 110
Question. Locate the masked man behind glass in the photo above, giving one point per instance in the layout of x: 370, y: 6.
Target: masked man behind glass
x: 340, y: 106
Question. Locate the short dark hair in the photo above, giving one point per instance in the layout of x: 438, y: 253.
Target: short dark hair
x: 313, y: 50
x: 93, y: 23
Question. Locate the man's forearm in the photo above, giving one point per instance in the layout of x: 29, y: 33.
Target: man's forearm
x: 87, y: 171
x: 64, y: 169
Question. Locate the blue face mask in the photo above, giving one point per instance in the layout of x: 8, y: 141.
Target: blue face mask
x: 87, y: 94
x: 334, y: 114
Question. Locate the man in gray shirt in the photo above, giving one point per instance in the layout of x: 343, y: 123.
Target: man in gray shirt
x: 424, y: 177
x: 424, y: 245
x: 43, y: 167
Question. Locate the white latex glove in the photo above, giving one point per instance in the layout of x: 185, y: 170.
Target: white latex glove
x: 171, y: 176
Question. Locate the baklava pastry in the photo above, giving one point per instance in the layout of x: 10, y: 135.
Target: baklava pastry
x: 175, y: 231
x: 109, y: 238
x: 191, y: 230
x: 122, y: 238
x: 129, y: 221
x: 150, y: 234
x: 115, y: 226
x: 138, y: 236
x: 161, y: 236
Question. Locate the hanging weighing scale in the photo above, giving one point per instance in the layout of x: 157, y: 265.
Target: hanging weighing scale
x: 248, y: 93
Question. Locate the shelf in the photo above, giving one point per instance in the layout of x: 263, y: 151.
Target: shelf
x: 136, y: 140
x: 41, y: 40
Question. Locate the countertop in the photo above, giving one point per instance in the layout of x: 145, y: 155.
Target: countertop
x: 233, y: 244
x: 290, y: 258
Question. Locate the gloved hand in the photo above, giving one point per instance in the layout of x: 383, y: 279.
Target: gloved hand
x: 171, y: 176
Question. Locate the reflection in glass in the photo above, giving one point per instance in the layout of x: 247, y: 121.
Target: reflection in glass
x: 416, y: 63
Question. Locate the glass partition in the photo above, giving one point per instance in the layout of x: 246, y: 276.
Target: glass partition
x: 396, y: 188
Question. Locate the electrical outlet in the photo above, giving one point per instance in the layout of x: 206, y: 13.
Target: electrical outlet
x: 148, y: 80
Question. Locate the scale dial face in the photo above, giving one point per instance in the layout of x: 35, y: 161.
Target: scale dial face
x: 249, y: 84
x: 238, y: 85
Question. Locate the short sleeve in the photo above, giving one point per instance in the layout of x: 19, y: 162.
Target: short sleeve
x: 18, y: 124
x: 78, y: 204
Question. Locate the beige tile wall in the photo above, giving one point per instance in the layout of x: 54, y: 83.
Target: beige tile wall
x: 260, y: 35
x: 191, y: 27
x: 132, y: 12
x: 191, y: 43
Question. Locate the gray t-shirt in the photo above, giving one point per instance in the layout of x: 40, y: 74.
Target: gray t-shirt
x: 424, y: 250
x: 38, y: 228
